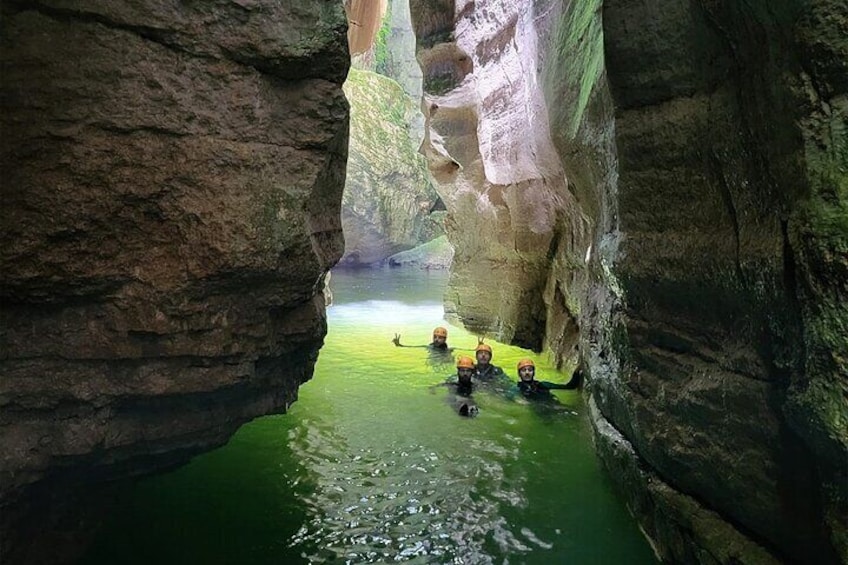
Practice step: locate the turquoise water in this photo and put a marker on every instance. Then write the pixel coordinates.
(371, 465)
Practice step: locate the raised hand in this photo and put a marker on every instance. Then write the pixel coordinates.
(396, 340)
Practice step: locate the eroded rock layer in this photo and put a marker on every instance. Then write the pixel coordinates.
(691, 231)
(388, 195)
(491, 154)
(730, 128)
(172, 180)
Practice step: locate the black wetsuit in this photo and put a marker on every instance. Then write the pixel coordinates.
(537, 389)
(542, 389)
(489, 374)
(493, 377)
(460, 396)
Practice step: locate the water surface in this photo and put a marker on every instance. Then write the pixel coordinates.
(371, 465)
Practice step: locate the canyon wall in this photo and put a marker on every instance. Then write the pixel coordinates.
(389, 198)
(686, 243)
(494, 163)
(172, 180)
(733, 198)
(388, 195)
(654, 190)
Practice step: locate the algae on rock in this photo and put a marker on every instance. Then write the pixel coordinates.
(388, 195)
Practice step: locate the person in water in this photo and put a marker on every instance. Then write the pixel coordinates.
(530, 388)
(461, 386)
(484, 371)
(439, 343)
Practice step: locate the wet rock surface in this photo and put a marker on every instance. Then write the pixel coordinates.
(173, 175)
(490, 152)
(695, 244)
(726, 161)
(388, 195)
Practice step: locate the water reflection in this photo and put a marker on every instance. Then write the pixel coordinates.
(369, 466)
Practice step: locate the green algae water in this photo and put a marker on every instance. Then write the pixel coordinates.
(372, 465)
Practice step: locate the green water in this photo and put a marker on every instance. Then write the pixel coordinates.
(372, 465)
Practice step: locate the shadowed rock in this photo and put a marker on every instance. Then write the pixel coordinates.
(172, 180)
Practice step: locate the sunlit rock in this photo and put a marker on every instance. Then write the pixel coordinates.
(689, 231)
(364, 20)
(388, 195)
(490, 150)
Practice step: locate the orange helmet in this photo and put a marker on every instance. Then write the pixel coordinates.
(483, 347)
(464, 362)
(440, 331)
(526, 363)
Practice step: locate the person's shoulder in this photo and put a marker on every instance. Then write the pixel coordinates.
(497, 370)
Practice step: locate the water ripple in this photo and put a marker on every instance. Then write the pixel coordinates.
(405, 503)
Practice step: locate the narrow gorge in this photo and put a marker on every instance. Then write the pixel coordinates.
(656, 192)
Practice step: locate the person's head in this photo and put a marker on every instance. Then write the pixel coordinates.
(464, 369)
(526, 370)
(483, 354)
(440, 336)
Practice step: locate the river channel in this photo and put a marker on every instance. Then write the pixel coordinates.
(371, 465)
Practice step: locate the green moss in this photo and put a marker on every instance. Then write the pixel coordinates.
(439, 84)
(382, 55)
(580, 49)
(817, 402)
(388, 183)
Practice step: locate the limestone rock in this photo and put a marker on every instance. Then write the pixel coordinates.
(489, 148)
(435, 254)
(364, 18)
(733, 263)
(172, 179)
(687, 223)
(388, 195)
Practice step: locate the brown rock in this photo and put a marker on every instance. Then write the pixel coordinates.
(172, 180)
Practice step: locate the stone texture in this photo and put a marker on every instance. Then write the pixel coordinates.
(435, 254)
(364, 18)
(399, 61)
(687, 241)
(729, 383)
(388, 195)
(684, 531)
(172, 180)
(488, 146)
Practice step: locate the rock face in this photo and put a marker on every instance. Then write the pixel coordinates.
(388, 195)
(435, 254)
(172, 179)
(733, 198)
(365, 18)
(690, 230)
(490, 151)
